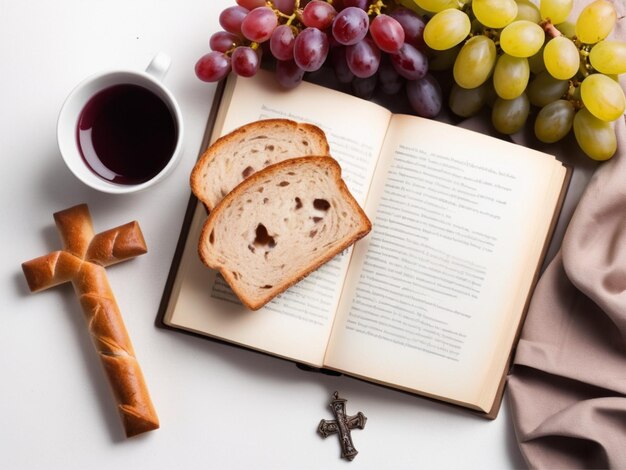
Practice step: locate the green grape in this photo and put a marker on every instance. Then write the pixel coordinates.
(536, 62)
(494, 13)
(554, 121)
(522, 38)
(609, 57)
(544, 89)
(595, 137)
(475, 61)
(510, 76)
(561, 58)
(596, 21)
(527, 10)
(443, 60)
(567, 29)
(436, 6)
(555, 10)
(509, 116)
(446, 29)
(603, 97)
(467, 102)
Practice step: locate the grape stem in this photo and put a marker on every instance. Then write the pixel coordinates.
(570, 95)
(585, 66)
(376, 8)
(280, 14)
(550, 29)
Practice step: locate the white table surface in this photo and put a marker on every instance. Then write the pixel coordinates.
(220, 407)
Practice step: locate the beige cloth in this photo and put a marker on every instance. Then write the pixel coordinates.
(568, 386)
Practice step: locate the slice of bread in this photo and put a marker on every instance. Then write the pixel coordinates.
(237, 155)
(279, 225)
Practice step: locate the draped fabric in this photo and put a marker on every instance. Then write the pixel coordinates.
(568, 385)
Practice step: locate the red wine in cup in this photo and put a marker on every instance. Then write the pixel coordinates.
(126, 134)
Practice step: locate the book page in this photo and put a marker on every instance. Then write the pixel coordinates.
(295, 325)
(435, 292)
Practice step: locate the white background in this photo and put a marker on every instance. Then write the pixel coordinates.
(220, 407)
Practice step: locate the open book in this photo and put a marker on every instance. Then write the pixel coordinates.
(431, 301)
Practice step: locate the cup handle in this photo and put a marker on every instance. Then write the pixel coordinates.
(159, 65)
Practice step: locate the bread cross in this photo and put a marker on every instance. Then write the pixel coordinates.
(82, 262)
(342, 424)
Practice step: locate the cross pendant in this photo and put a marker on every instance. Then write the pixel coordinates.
(342, 424)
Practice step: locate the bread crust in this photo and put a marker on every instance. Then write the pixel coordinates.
(215, 149)
(324, 161)
(82, 262)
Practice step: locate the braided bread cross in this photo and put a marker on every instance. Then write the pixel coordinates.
(82, 262)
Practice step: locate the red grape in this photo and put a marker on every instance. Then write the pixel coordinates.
(222, 41)
(362, 4)
(251, 4)
(389, 79)
(425, 96)
(410, 62)
(363, 58)
(388, 51)
(340, 66)
(284, 6)
(387, 33)
(259, 25)
(281, 42)
(245, 61)
(350, 26)
(412, 25)
(364, 87)
(288, 74)
(310, 49)
(232, 17)
(213, 66)
(318, 14)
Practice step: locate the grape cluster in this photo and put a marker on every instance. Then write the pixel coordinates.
(368, 43)
(515, 57)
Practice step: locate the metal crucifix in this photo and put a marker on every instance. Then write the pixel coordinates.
(82, 262)
(342, 424)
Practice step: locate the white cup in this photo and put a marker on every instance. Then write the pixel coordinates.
(80, 96)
